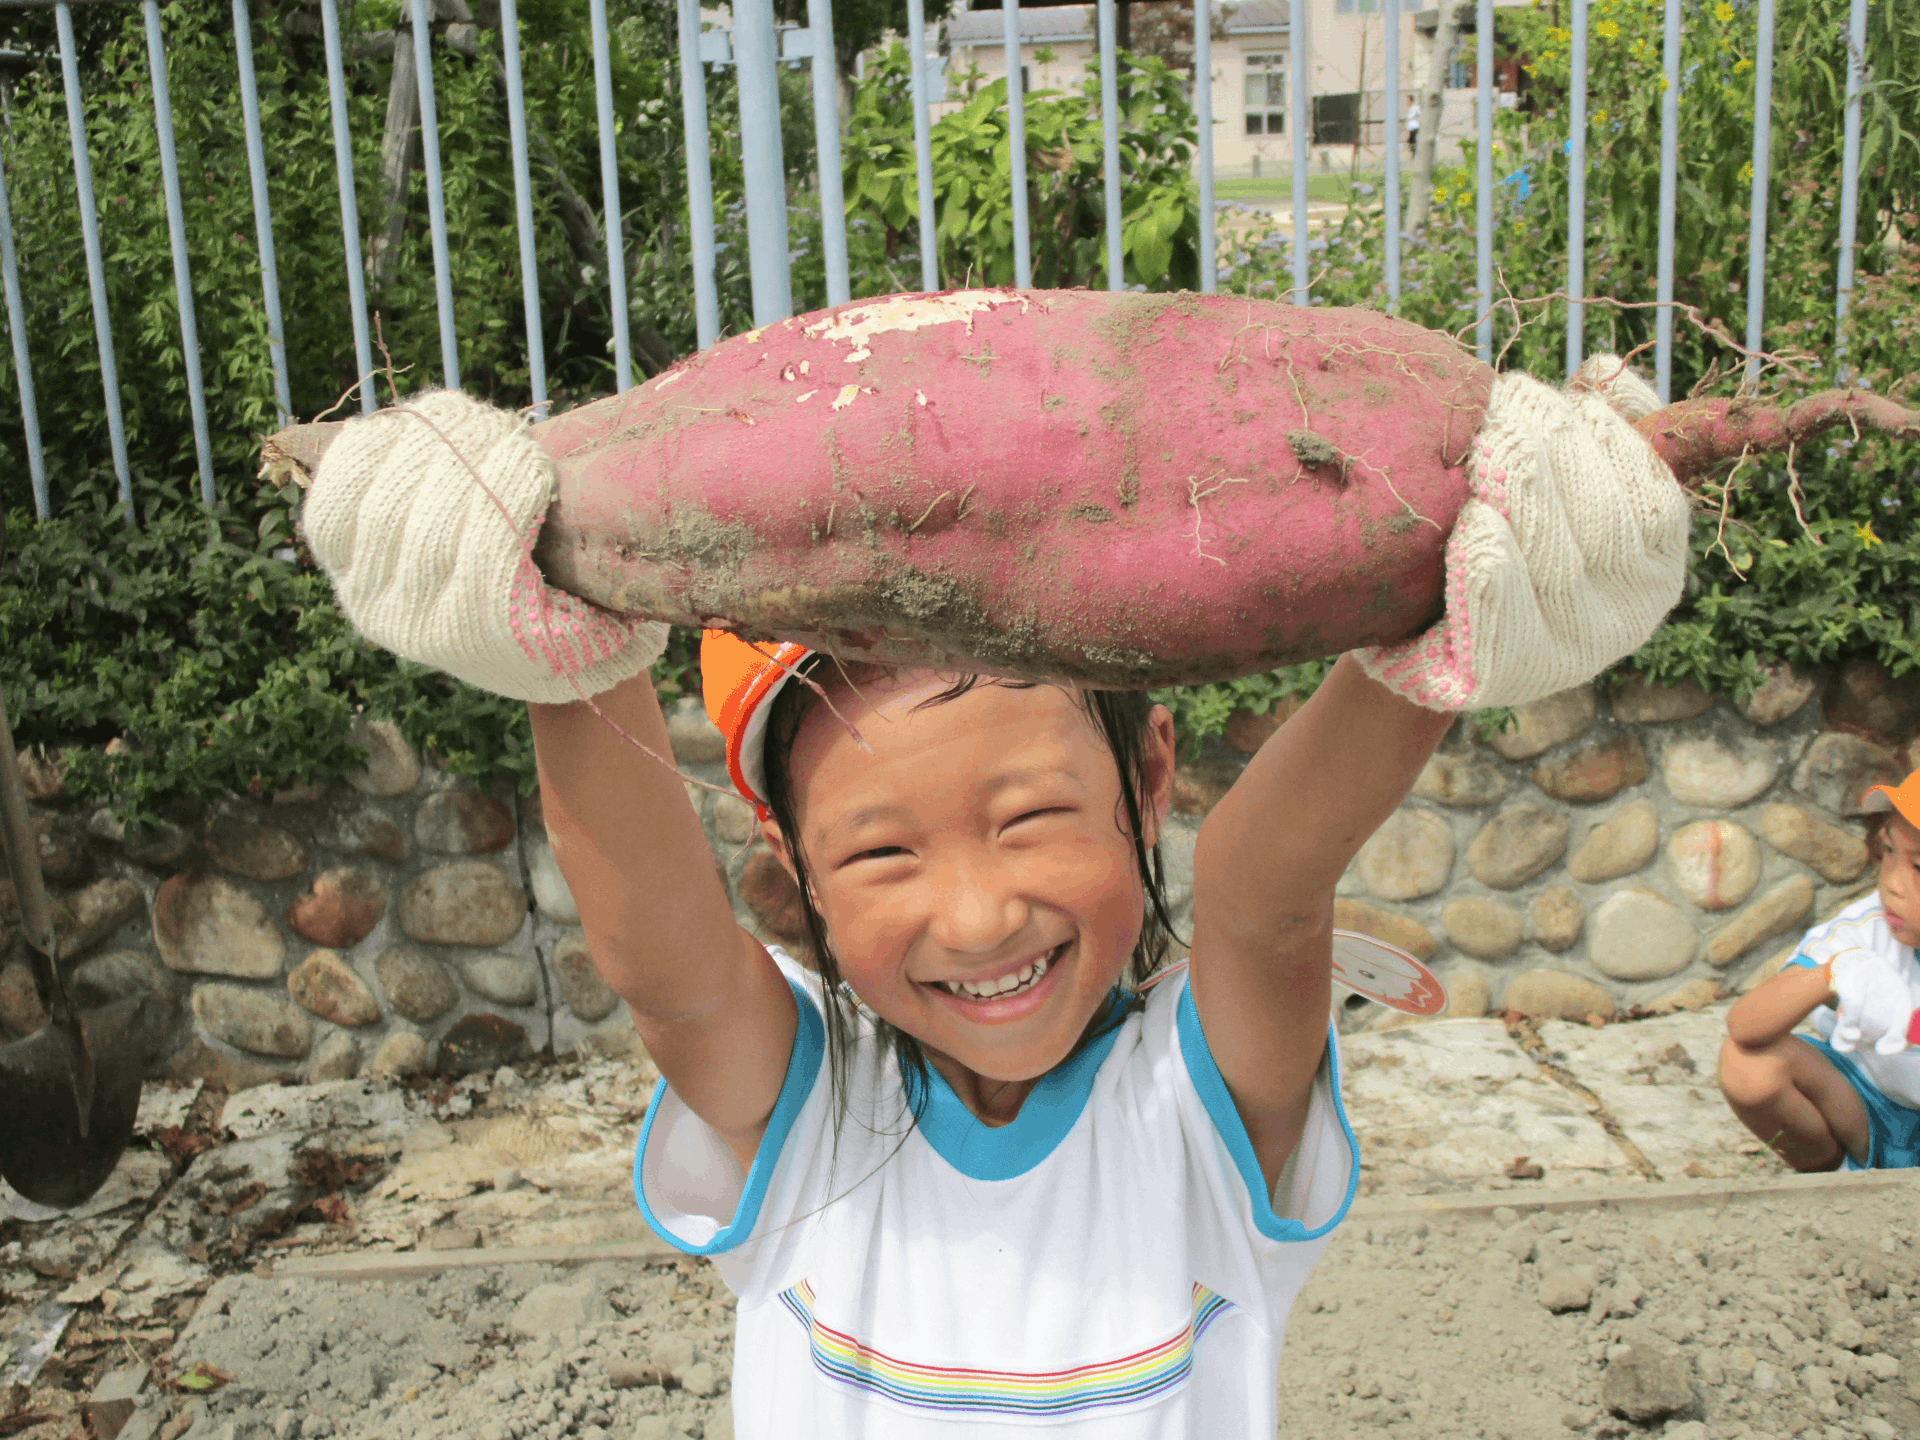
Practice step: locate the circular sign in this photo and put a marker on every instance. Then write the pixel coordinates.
(1386, 973)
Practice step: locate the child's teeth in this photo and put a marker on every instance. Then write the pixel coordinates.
(1020, 980)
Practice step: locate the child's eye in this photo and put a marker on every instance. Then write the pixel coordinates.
(879, 852)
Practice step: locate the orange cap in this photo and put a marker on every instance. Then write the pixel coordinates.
(1903, 798)
(739, 680)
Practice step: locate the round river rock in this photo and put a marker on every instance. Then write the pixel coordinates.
(468, 902)
(1638, 934)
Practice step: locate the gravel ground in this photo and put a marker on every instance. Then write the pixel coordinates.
(1762, 1319)
(1753, 1320)
(516, 1352)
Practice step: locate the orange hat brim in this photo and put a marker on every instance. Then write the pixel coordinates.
(738, 680)
(1902, 799)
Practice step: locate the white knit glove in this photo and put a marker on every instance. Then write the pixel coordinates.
(424, 517)
(1570, 553)
(1875, 1002)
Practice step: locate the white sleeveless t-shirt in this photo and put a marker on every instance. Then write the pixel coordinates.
(1108, 1265)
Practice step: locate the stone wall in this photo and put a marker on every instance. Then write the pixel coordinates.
(1641, 847)
(399, 921)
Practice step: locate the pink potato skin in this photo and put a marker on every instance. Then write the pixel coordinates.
(1122, 490)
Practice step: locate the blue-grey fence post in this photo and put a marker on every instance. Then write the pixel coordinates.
(177, 240)
(1110, 145)
(349, 204)
(1669, 202)
(1017, 143)
(610, 199)
(96, 261)
(523, 206)
(1757, 198)
(22, 361)
(826, 148)
(262, 207)
(1299, 112)
(1577, 192)
(693, 120)
(923, 146)
(1849, 176)
(756, 57)
(1390, 196)
(1483, 177)
(436, 194)
(1203, 116)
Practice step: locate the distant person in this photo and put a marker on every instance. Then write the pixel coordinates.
(1849, 1094)
(1413, 130)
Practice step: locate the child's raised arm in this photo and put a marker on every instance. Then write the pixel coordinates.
(715, 1012)
(423, 516)
(1269, 856)
(1570, 554)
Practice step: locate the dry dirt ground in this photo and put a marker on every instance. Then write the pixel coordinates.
(1563, 1234)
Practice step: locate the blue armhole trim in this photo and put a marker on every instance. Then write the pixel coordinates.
(803, 1065)
(1801, 961)
(1212, 1086)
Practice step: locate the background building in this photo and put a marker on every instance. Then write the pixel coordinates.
(1251, 71)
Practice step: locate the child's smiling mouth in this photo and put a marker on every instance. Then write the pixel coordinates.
(997, 990)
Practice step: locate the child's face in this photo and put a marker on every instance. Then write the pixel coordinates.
(981, 841)
(1900, 879)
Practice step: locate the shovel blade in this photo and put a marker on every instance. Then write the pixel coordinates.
(46, 1152)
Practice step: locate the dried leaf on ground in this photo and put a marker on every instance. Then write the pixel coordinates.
(181, 1145)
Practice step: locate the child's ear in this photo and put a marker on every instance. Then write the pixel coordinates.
(777, 842)
(1159, 752)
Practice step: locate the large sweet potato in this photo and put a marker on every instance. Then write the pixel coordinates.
(1123, 489)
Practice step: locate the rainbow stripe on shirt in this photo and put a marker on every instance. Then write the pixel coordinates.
(1143, 1375)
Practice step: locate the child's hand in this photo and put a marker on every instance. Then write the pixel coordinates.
(1570, 554)
(1874, 1003)
(424, 518)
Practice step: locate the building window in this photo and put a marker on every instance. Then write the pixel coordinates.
(1026, 79)
(1362, 7)
(1266, 94)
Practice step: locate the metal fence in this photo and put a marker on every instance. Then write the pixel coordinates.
(756, 45)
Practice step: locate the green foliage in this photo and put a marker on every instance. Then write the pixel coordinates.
(218, 665)
(230, 313)
(1066, 197)
(1202, 711)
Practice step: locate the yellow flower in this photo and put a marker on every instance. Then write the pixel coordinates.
(1608, 29)
(1864, 534)
(1742, 66)
(1723, 12)
(1600, 117)
(1746, 171)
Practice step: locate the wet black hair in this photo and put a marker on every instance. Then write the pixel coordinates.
(1121, 717)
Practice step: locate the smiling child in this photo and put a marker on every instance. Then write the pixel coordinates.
(972, 1168)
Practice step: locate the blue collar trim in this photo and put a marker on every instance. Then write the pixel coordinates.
(1004, 1152)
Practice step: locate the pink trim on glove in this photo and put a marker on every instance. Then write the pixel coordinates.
(558, 630)
(1435, 669)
